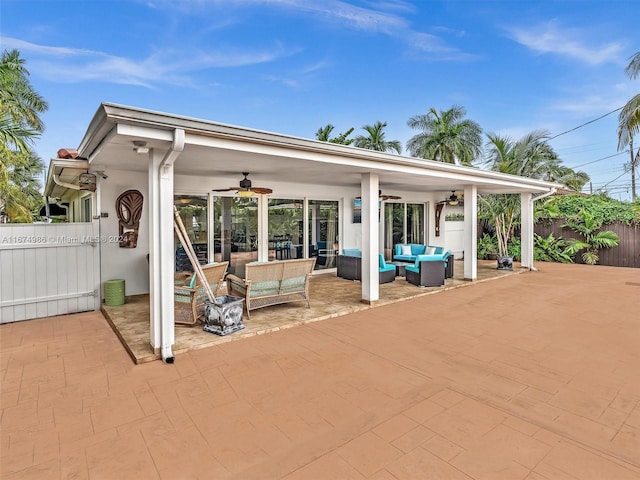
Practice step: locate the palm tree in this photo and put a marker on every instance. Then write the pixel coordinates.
(446, 136)
(375, 140)
(324, 135)
(629, 122)
(20, 107)
(572, 179)
(530, 156)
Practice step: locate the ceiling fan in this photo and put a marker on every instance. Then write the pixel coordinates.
(453, 200)
(245, 189)
(384, 198)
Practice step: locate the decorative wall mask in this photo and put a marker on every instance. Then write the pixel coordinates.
(129, 210)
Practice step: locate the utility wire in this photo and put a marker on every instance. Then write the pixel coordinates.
(586, 123)
(600, 159)
(623, 173)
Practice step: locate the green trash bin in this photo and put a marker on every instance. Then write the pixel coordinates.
(114, 292)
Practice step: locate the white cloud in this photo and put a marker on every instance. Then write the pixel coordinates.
(552, 38)
(76, 65)
(382, 17)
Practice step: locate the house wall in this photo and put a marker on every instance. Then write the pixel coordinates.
(132, 265)
(129, 264)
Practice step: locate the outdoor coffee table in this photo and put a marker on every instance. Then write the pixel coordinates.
(401, 268)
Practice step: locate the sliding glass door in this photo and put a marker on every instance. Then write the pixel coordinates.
(235, 231)
(403, 223)
(323, 232)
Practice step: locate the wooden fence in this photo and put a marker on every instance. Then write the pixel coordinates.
(626, 254)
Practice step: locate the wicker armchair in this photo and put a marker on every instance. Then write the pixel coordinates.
(189, 298)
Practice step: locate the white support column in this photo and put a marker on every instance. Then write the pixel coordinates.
(155, 317)
(369, 185)
(526, 230)
(263, 228)
(470, 232)
(306, 241)
(167, 259)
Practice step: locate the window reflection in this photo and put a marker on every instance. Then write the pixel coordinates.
(285, 229)
(193, 212)
(323, 232)
(235, 234)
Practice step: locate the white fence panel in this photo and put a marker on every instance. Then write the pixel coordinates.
(48, 269)
(454, 233)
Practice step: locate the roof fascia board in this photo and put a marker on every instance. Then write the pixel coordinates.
(240, 137)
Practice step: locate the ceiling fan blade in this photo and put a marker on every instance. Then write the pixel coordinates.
(224, 189)
(261, 190)
(389, 197)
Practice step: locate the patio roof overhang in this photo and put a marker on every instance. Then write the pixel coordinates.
(217, 150)
(63, 175)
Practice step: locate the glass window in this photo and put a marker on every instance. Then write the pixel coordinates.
(323, 232)
(285, 229)
(86, 209)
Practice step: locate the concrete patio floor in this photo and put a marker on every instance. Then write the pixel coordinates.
(533, 376)
(330, 297)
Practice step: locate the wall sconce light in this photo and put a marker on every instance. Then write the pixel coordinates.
(140, 147)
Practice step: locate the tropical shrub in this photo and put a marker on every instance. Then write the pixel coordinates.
(550, 249)
(487, 244)
(513, 249)
(592, 238)
(603, 209)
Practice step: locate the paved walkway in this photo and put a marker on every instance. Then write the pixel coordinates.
(533, 376)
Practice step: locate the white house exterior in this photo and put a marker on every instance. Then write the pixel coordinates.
(177, 157)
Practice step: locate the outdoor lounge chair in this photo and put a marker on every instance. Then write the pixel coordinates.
(189, 297)
(350, 267)
(426, 272)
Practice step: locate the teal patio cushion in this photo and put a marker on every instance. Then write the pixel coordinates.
(292, 284)
(352, 252)
(417, 249)
(259, 289)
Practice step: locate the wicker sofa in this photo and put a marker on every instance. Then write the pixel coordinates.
(272, 283)
(426, 252)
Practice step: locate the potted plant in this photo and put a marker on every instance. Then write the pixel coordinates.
(503, 209)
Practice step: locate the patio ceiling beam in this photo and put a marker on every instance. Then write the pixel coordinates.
(414, 168)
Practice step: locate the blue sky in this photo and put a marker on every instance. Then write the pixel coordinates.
(292, 66)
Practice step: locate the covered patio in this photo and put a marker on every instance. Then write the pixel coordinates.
(331, 197)
(330, 297)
